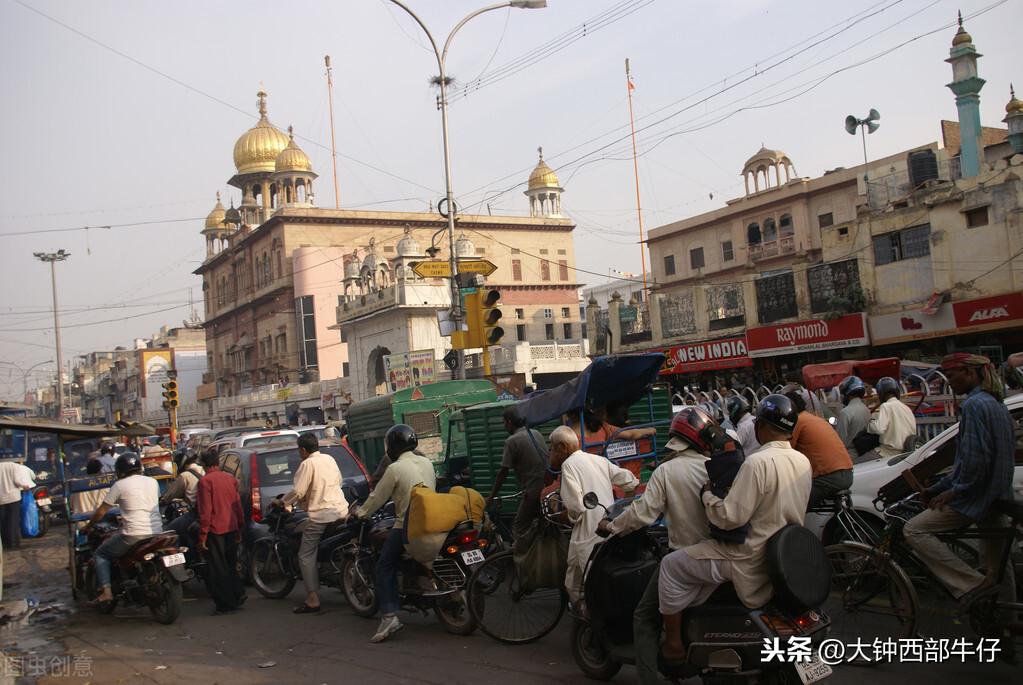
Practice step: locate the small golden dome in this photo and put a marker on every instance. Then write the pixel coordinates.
(292, 158)
(543, 176)
(215, 219)
(256, 151)
(1015, 104)
(961, 37)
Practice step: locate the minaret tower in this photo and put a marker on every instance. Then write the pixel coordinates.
(966, 85)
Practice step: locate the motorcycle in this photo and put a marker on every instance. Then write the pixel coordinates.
(724, 640)
(462, 550)
(273, 560)
(44, 503)
(194, 562)
(150, 574)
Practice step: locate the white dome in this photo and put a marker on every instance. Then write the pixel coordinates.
(464, 247)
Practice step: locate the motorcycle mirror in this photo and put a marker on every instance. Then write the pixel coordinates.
(832, 420)
(590, 500)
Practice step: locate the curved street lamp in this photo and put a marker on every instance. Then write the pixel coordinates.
(25, 374)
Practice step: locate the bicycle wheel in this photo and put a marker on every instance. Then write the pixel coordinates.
(503, 611)
(871, 597)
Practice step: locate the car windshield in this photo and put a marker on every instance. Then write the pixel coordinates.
(278, 468)
(269, 440)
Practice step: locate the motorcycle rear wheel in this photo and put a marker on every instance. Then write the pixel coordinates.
(592, 659)
(167, 599)
(357, 584)
(267, 570)
(454, 615)
(44, 523)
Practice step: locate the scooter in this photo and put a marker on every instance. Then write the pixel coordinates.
(462, 550)
(150, 574)
(44, 503)
(724, 640)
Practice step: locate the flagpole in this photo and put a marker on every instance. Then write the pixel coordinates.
(333, 143)
(635, 171)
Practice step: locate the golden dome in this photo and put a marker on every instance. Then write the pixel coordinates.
(961, 37)
(1015, 104)
(543, 176)
(292, 158)
(257, 149)
(215, 219)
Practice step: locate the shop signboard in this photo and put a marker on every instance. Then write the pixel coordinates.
(986, 313)
(410, 369)
(808, 336)
(912, 324)
(713, 355)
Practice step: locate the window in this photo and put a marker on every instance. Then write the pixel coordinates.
(725, 307)
(843, 231)
(520, 332)
(566, 312)
(543, 251)
(825, 220)
(696, 258)
(344, 369)
(753, 234)
(776, 297)
(976, 217)
(515, 250)
(481, 250)
(548, 331)
(770, 231)
(516, 270)
(669, 265)
(520, 313)
(828, 281)
(727, 253)
(545, 270)
(548, 313)
(905, 244)
(388, 248)
(562, 270)
(562, 251)
(567, 330)
(307, 352)
(785, 225)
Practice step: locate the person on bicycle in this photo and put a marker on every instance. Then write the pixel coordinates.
(820, 444)
(526, 452)
(674, 491)
(317, 488)
(407, 471)
(893, 422)
(855, 416)
(742, 418)
(138, 498)
(770, 492)
(981, 475)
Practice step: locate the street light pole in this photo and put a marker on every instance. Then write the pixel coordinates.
(53, 258)
(25, 373)
(442, 103)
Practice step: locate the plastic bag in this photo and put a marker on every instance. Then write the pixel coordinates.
(545, 563)
(29, 515)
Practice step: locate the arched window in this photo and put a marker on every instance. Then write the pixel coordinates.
(753, 234)
(770, 231)
(785, 227)
(258, 271)
(278, 257)
(267, 276)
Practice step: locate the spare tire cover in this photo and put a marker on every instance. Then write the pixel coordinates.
(798, 568)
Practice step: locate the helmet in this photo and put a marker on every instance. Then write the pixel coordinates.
(694, 427)
(712, 410)
(851, 386)
(888, 387)
(106, 448)
(127, 464)
(737, 408)
(797, 394)
(778, 411)
(399, 439)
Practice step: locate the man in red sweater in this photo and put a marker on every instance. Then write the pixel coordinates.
(220, 522)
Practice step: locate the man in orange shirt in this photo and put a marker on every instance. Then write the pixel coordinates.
(820, 442)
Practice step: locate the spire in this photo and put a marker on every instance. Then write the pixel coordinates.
(218, 192)
(291, 133)
(262, 102)
(540, 151)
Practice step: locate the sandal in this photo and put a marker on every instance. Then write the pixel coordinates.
(304, 608)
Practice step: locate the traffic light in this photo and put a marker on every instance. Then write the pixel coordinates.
(170, 394)
(471, 338)
(489, 317)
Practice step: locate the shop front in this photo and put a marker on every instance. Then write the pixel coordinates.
(781, 350)
(708, 364)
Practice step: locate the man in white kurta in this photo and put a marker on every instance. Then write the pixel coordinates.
(894, 423)
(581, 473)
(770, 492)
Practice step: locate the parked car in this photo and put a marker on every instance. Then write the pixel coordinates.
(320, 431)
(253, 439)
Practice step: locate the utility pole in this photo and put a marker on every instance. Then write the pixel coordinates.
(53, 258)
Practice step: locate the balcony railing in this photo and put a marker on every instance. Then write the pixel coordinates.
(774, 248)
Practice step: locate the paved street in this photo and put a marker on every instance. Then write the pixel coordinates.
(332, 647)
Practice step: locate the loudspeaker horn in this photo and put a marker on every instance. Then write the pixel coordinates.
(851, 123)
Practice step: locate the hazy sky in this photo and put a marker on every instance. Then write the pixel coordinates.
(97, 138)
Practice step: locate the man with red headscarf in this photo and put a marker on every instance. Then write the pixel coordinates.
(981, 475)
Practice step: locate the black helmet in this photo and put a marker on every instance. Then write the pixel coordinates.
(106, 448)
(737, 408)
(778, 411)
(127, 464)
(796, 393)
(888, 387)
(400, 439)
(851, 386)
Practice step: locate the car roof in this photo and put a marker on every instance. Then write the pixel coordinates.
(265, 434)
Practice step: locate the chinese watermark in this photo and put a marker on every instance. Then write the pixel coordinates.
(905, 650)
(41, 666)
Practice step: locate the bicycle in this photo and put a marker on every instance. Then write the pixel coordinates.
(846, 524)
(502, 607)
(877, 582)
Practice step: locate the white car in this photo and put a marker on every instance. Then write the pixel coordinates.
(870, 476)
(254, 439)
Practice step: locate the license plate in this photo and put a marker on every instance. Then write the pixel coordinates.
(813, 670)
(43, 502)
(173, 559)
(619, 449)
(473, 556)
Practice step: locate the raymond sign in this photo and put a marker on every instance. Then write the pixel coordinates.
(730, 353)
(808, 336)
(989, 312)
(410, 369)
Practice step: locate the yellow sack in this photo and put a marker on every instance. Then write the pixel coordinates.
(435, 512)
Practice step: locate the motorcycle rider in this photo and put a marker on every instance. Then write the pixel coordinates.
(674, 491)
(742, 418)
(107, 458)
(185, 487)
(407, 471)
(138, 498)
(317, 488)
(770, 491)
(855, 416)
(819, 442)
(893, 421)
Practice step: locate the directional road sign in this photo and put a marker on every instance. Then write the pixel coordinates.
(440, 269)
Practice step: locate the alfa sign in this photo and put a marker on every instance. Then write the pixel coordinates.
(989, 312)
(729, 353)
(439, 269)
(808, 336)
